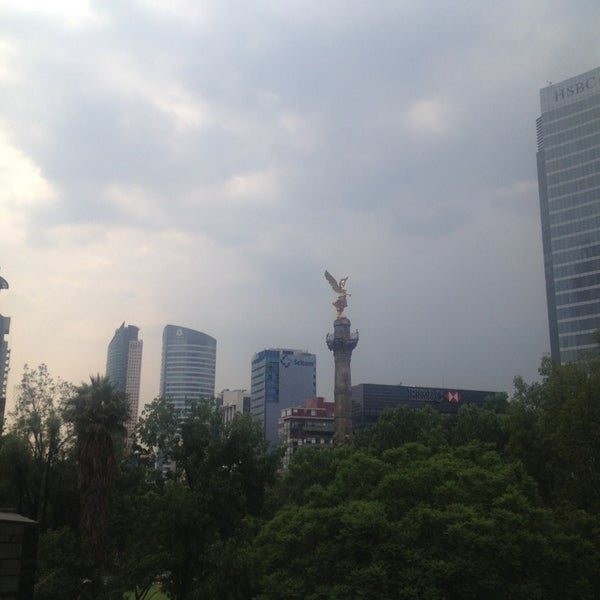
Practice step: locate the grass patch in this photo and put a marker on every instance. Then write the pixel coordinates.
(154, 593)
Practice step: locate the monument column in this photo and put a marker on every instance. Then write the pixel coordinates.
(342, 342)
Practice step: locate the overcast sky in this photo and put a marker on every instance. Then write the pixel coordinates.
(203, 164)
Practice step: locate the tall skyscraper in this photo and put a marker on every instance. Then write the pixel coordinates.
(4, 355)
(281, 378)
(188, 365)
(124, 367)
(568, 159)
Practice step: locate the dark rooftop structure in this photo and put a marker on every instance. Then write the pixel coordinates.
(369, 400)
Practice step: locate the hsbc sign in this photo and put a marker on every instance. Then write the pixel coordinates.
(433, 395)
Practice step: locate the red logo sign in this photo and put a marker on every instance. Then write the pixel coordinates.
(453, 397)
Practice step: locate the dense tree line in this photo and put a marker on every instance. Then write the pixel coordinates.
(501, 501)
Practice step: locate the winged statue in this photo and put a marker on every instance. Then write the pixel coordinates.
(339, 287)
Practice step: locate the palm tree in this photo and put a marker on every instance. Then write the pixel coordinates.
(97, 412)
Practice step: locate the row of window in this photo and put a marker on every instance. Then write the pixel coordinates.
(577, 226)
(577, 282)
(576, 240)
(576, 340)
(590, 324)
(578, 268)
(192, 353)
(570, 148)
(567, 136)
(577, 296)
(570, 255)
(578, 158)
(572, 173)
(590, 209)
(572, 120)
(570, 201)
(580, 310)
(571, 355)
(574, 186)
(184, 370)
(564, 111)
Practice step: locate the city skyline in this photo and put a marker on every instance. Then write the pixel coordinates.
(152, 173)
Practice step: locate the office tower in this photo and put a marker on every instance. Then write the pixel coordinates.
(281, 378)
(123, 368)
(4, 356)
(568, 159)
(188, 365)
(4, 363)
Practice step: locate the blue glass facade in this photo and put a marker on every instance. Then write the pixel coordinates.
(280, 378)
(188, 365)
(568, 160)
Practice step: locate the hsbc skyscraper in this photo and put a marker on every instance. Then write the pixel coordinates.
(568, 162)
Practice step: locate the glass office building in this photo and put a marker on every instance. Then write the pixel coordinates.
(281, 378)
(124, 368)
(4, 362)
(568, 159)
(188, 365)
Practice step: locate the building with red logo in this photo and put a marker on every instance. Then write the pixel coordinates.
(369, 400)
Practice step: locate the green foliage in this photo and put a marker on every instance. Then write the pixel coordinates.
(419, 523)
(500, 501)
(555, 431)
(61, 570)
(200, 521)
(158, 434)
(402, 425)
(482, 424)
(37, 422)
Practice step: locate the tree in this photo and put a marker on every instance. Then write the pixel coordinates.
(158, 434)
(37, 420)
(193, 531)
(554, 429)
(420, 522)
(402, 424)
(98, 414)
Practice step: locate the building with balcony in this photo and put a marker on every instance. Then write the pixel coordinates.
(309, 426)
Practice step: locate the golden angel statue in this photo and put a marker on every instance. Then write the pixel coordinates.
(340, 289)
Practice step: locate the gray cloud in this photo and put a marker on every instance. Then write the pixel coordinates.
(207, 161)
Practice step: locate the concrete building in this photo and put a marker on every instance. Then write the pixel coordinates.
(568, 161)
(310, 426)
(188, 365)
(124, 368)
(233, 402)
(369, 400)
(281, 378)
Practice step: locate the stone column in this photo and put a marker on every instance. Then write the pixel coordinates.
(341, 343)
